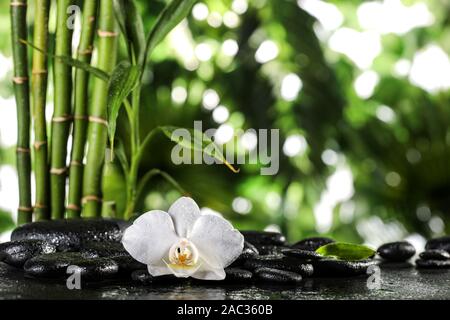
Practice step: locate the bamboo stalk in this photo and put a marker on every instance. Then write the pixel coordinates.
(62, 111)
(22, 93)
(107, 46)
(39, 93)
(81, 102)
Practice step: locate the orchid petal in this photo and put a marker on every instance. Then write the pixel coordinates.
(207, 272)
(218, 243)
(184, 213)
(150, 237)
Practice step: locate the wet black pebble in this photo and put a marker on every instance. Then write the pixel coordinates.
(69, 235)
(104, 249)
(249, 251)
(341, 268)
(264, 238)
(281, 263)
(312, 244)
(433, 264)
(397, 251)
(55, 266)
(237, 275)
(442, 243)
(16, 253)
(301, 254)
(435, 255)
(265, 250)
(277, 276)
(127, 264)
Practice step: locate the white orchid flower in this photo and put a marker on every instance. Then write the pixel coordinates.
(183, 242)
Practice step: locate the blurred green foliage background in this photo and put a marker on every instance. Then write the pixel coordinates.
(360, 91)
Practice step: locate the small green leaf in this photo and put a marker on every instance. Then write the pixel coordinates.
(169, 18)
(123, 80)
(73, 63)
(197, 141)
(346, 251)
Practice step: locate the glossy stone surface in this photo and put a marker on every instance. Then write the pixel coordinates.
(397, 251)
(55, 265)
(435, 255)
(71, 234)
(277, 276)
(341, 268)
(442, 243)
(312, 244)
(16, 253)
(404, 283)
(264, 238)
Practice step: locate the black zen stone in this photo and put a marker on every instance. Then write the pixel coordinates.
(270, 250)
(264, 238)
(433, 264)
(397, 251)
(281, 263)
(103, 249)
(237, 275)
(442, 243)
(312, 244)
(301, 254)
(435, 255)
(249, 251)
(69, 235)
(277, 276)
(127, 264)
(16, 253)
(55, 266)
(341, 268)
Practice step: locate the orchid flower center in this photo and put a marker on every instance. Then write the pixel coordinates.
(183, 254)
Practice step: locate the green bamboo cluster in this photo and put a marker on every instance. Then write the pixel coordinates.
(93, 116)
(39, 93)
(84, 54)
(97, 131)
(62, 110)
(22, 94)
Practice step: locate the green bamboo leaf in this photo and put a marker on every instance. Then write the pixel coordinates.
(73, 63)
(346, 251)
(131, 26)
(198, 141)
(123, 80)
(154, 172)
(169, 18)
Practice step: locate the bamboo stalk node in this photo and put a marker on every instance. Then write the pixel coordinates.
(23, 150)
(73, 207)
(58, 171)
(39, 144)
(91, 198)
(39, 72)
(25, 209)
(107, 34)
(40, 206)
(20, 80)
(75, 163)
(18, 4)
(62, 119)
(98, 120)
(85, 52)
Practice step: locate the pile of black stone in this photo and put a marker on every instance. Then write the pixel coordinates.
(435, 256)
(47, 249)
